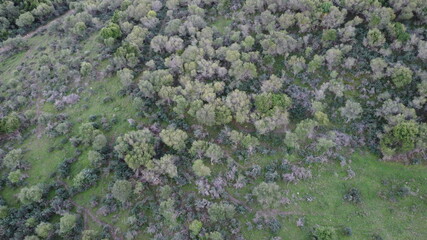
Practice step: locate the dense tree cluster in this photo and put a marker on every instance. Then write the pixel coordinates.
(18, 16)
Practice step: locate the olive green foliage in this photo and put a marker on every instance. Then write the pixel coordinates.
(301, 134)
(25, 19)
(215, 236)
(136, 148)
(200, 169)
(4, 210)
(95, 157)
(195, 227)
(89, 235)
(267, 194)
(99, 142)
(84, 178)
(10, 123)
(44, 229)
(329, 35)
(67, 223)
(268, 103)
(165, 165)
(168, 213)
(375, 38)
(15, 176)
(122, 190)
(79, 29)
(401, 76)
(88, 132)
(30, 194)
(13, 159)
(402, 137)
(174, 138)
(85, 69)
(221, 211)
(111, 31)
(324, 233)
(351, 110)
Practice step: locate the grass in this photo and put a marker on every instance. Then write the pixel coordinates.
(380, 212)
(221, 23)
(8, 66)
(42, 163)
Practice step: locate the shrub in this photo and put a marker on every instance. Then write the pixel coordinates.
(4, 210)
(67, 223)
(376, 237)
(99, 142)
(16, 43)
(347, 231)
(200, 169)
(44, 229)
(85, 178)
(31, 194)
(174, 138)
(401, 76)
(89, 235)
(25, 19)
(15, 176)
(195, 227)
(274, 225)
(122, 190)
(221, 211)
(267, 194)
(111, 31)
(353, 195)
(324, 233)
(13, 159)
(95, 158)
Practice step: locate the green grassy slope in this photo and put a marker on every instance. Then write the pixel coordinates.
(384, 209)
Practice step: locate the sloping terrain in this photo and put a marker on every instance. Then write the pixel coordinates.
(214, 120)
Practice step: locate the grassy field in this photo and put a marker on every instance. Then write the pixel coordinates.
(383, 210)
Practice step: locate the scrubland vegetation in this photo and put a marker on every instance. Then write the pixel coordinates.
(213, 119)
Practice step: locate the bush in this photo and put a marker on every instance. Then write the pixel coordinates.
(85, 179)
(95, 158)
(376, 237)
(347, 231)
(195, 227)
(44, 229)
(15, 176)
(404, 191)
(64, 169)
(274, 225)
(122, 190)
(13, 159)
(67, 223)
(31, 194)
(99, 142)
(324, 233)
(16, 43)
(353, 195)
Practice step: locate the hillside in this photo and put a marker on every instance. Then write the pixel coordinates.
(213, 119)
